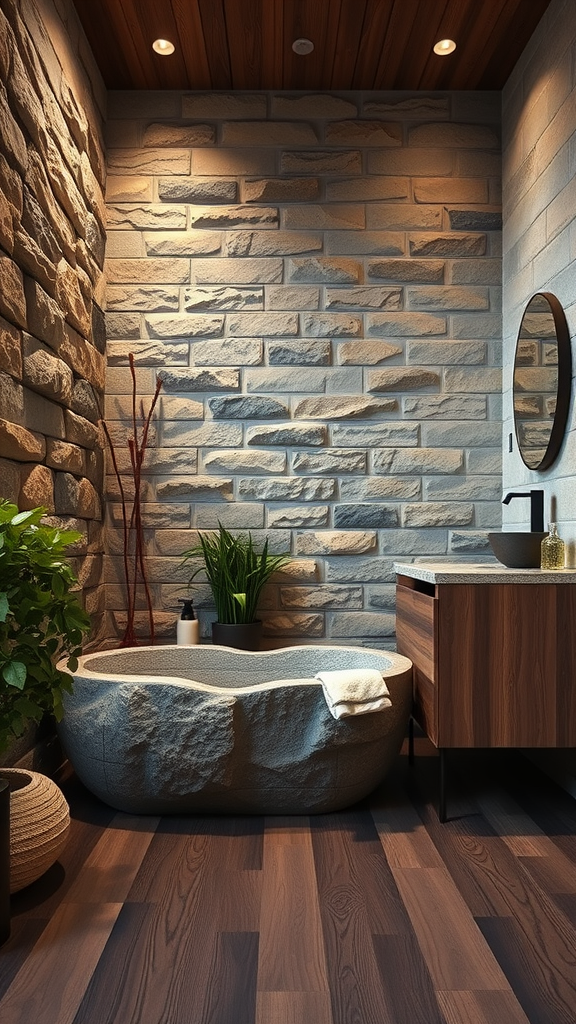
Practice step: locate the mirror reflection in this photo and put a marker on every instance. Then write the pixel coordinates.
(541, 391)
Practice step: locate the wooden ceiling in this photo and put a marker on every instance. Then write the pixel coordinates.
(358, 44)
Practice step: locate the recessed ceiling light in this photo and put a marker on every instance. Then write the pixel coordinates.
(444, 47)
(163, 46)
(302, 46)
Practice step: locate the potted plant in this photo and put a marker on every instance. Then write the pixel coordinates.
(41, 622)
(41, 619)
(236, 573)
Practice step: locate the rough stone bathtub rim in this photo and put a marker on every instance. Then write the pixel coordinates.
(398, 664)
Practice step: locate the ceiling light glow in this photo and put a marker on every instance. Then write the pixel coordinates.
(163, 47)
(302, 46)
(444, 46)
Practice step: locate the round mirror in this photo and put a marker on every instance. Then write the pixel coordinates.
(542, 381)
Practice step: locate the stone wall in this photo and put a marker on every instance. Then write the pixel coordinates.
(539, 193)
(316, 280)
(52, 237)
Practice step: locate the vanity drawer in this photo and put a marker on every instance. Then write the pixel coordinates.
(416, 629)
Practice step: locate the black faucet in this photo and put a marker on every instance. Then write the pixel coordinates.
(536, 507)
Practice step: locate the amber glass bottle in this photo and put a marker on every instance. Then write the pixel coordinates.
(552, 550)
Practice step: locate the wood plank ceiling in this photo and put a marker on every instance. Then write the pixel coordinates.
(358, 44)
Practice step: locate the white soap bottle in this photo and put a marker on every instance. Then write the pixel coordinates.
(187, 627)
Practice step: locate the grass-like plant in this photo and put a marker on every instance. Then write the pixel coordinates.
(236, 572)
(41, 619)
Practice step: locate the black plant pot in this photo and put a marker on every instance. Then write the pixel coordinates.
(243, 635)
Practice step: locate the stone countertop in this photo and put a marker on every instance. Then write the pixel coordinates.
(484, 572)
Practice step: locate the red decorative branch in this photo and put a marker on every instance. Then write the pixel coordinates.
(126, 530)
(133, 532)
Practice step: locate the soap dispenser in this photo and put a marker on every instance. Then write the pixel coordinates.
(187, 627)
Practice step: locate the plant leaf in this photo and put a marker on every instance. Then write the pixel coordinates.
(22, 517)
(4, 607)
(15, 673)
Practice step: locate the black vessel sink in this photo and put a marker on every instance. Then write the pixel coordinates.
(517, 550)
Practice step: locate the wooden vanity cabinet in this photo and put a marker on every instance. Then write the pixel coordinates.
(494, 663)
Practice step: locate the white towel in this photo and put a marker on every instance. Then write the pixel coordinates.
(355, 691)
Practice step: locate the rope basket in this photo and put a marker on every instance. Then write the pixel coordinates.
(39, 825)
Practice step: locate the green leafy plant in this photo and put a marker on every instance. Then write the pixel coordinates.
(236, 572)
(41, 619)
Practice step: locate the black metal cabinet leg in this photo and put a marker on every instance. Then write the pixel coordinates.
(442, 773)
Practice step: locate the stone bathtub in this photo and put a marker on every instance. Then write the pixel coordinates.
(160, 730)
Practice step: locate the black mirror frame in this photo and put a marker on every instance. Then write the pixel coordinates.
(564, 383)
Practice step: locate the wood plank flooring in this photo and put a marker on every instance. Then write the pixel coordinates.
(374, 915)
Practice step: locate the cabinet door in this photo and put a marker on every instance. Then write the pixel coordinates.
(416, 630)
(506, 676)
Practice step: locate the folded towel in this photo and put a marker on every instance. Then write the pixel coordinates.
(355, 691)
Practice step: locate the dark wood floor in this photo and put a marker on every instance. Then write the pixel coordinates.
(375, 915)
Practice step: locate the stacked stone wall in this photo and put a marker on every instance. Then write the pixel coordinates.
(52, 239)
(539, 192)
(316, 278)
(539, 125)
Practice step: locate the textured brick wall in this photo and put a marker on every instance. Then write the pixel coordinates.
(316, 279)
(539, 193)
(52, 219)
(539, 196)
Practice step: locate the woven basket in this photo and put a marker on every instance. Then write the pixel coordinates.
(39, 825)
